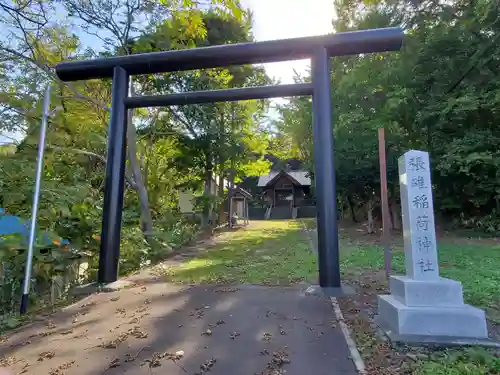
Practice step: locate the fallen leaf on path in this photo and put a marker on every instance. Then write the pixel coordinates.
(282, 331)
(46, 355)
(131, 358)
(208, 332)
(226, 290)
(8, 361)
(280, 358)
(267, 336)
(199, 313)
(207, 366)
(114, 363)
(67, 332)
(61, 370)
(219, 322)
(83, 334)
(89, 304)
(233, 335)
(154, 361)
(113, 344)
(274, 366)
(44, 334)
(137, 333)
(114, 299)
(24, 369)
(173, 356)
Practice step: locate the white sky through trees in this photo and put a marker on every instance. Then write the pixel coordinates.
(282, 19)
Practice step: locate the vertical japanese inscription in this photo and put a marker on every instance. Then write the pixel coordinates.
(420, 237)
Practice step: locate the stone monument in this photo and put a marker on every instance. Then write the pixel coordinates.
(424, 307)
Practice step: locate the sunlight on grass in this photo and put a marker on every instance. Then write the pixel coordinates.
(476, 266)
(267, 252)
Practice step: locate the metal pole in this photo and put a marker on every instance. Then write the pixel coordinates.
(246, 213)
(36, 195)
(230, 208)
(385, 205)
(328, 240)
(109, 253)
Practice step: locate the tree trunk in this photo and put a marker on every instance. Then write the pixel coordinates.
(140, 187)
(395, 215)
(370, 227)
(394, 209)
(220, 195)
(351, 208)
(220, 167)
(207, 206)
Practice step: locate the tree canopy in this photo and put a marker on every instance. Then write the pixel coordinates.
(439, 94)
(168, 148)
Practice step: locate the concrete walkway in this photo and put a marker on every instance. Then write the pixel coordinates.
(160, 328)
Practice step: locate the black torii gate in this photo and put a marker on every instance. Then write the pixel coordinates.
(318, 48)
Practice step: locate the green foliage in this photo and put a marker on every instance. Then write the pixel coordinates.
(439, 94)
(203, 202)
(50, 259)
(169, 154)
(472, 361)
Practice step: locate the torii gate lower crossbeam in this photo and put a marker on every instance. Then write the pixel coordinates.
(319, 49)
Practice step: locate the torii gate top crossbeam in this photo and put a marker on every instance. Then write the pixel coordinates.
(339, 44)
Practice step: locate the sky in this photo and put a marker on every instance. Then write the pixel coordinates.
(282, 19)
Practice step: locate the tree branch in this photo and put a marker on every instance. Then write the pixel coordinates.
(92, 154)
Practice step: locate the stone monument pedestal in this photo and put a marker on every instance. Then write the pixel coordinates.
(432, 309)
(424, 307)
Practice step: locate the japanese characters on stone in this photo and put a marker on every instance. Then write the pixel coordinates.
(420, 205)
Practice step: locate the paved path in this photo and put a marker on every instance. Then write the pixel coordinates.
(159, 328)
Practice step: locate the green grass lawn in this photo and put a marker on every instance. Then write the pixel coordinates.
(267, 252)
(476, 266)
